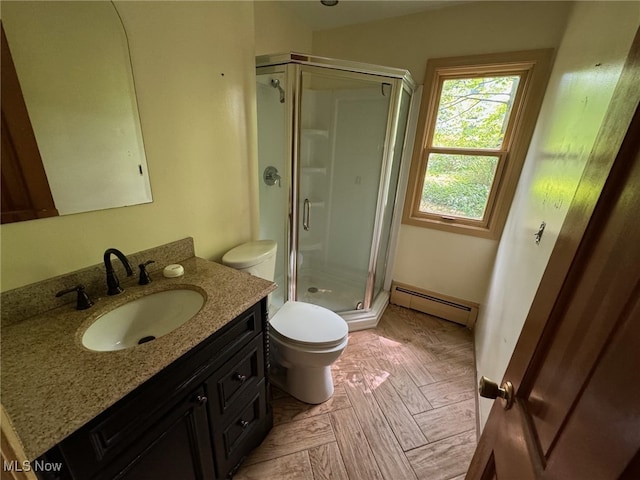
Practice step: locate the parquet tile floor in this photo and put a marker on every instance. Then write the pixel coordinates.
(403, 408)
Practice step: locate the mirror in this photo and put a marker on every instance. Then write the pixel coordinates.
(72, 62)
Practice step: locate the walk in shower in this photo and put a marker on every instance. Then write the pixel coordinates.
(330, 142)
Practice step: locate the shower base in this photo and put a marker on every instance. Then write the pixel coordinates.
(341, 295)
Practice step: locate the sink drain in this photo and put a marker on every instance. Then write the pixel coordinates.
(146, 339)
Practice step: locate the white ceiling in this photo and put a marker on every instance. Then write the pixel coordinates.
(351, 12)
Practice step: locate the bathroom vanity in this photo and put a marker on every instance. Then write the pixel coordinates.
(196, 419)
(190, 404)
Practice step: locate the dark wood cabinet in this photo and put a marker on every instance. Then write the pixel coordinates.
(197, 419)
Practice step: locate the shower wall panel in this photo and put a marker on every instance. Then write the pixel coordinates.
(272, 125)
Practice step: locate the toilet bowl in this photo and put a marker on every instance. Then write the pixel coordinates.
(306, 339)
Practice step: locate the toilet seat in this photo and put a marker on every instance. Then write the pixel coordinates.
(309, 326)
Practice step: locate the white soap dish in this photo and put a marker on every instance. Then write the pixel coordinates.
(173, 270)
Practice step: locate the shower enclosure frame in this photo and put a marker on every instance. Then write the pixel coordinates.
(291, 65)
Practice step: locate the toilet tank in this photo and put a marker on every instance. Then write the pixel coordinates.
(257, 258)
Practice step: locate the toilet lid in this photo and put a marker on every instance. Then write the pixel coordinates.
(249, 254)
(307, 324)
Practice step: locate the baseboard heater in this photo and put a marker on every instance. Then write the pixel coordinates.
(438, 305)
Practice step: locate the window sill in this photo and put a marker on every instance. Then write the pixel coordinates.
(454, 226)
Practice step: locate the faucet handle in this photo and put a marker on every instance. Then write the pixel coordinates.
(83, 301)
(144, 277)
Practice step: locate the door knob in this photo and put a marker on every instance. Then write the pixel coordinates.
(490, 389)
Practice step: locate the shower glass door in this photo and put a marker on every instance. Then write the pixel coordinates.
(341, 148)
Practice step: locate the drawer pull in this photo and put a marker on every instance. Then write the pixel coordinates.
(200, 399)
(239, 377)
(243, 423)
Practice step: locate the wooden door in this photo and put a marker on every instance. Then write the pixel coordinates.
(576, 366)
(25, 188)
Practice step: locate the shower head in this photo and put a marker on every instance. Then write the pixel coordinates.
(275, 83)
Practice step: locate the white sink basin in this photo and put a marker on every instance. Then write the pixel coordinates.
(142, 320)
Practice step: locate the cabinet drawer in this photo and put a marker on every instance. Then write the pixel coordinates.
(237, 379)
(242, 423)
(244, 431)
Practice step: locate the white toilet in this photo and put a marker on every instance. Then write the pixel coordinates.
(306, 339)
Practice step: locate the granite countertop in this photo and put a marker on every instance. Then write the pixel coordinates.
(52, 385)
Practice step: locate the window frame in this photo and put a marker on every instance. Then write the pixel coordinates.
(533, 67)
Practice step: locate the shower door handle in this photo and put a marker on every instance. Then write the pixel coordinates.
(306, 211)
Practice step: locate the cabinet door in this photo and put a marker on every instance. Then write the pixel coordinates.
(181, 449)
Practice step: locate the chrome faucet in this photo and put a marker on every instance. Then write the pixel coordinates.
(113, 284)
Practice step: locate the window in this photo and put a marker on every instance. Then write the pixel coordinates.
(475, 125)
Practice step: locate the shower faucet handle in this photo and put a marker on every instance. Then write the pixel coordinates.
(271, 176)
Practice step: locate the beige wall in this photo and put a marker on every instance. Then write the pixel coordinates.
(278, 30)
(477, 27)
(586, 70)
(195, 77)
(452, 264)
